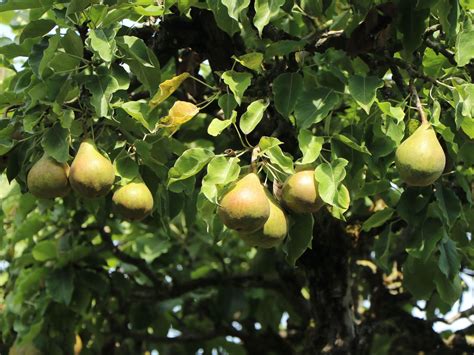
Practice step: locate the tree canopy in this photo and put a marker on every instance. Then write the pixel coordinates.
(184, 98)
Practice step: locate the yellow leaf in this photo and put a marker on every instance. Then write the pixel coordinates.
(180, 113)
(167, 87)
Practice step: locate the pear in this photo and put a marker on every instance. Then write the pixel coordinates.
(25, 349)
(48, 178)
(92, 174)
(77, 345)
(245, 207)
(420, 160)
(300, 192)
(274, 230)
(134, 201)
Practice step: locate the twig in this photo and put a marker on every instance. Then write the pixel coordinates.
(419, 107)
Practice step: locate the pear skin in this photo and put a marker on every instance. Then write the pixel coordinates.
(92, 174)
(245, 207)
(25, 349)
(420, 159)
(300, 193)
(134, 201)
(48, 178)
(274, 230)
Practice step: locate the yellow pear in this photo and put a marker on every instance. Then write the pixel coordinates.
(133, 201)
(78, 345)
(92, 174)
(274, 230)
(48, 178)
(245, 207)
(420, 159)
(300, 193)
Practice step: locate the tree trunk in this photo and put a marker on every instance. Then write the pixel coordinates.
(329, 279)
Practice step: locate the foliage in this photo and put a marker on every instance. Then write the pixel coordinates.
(180, 93)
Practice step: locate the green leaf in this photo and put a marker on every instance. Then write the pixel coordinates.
(77, 6)
(125, 166)
(234, 8)
(342, 202)
(315, 105)
(448, 204)
(363, 90)
(389, 110)
(252, 117)
(283, 48)
(44, 250)
(60, 285)
(310, 146)
(412, 25)
(251, 60)
(221, 14)
(72, 44)
(55, 143)
(464, 48)
(102, 42)
(227, 103)
(189, 164)
(269, 147)
(217, 126)
(329, 176)
(377, 219)
(237, 83)
(37, 28)
(449, 261)
(299, 238)
(138, 110)
(428, 236)
(101, 86)
(265, 11)
(220, 171)
(349, 142)
(24, 4)
(286, 90)
(449, 289)
(142, 61)
(418, 276)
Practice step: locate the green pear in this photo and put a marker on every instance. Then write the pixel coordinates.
(274, 230)
(300, 193)
(134, 201)
(48, 178)
(420, 160)
(245, 207)
(92, 174)
(25, 349)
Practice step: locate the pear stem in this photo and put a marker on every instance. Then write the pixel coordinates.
(254, 159)
(419, 107)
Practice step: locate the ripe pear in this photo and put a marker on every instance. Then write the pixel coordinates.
(48, 178)
(420, 160)
(274, 230)
(92, 174)
(78, 345)
(245, 207)
(134, 201)
(25, 349)
(300, 193)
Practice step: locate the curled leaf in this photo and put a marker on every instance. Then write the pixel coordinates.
(180, 113)
(167, 87)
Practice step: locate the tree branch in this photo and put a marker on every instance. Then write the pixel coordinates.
(139, 263)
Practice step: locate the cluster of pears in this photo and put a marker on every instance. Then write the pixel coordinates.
(420, 159)
(91, 175)
(249, 208)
